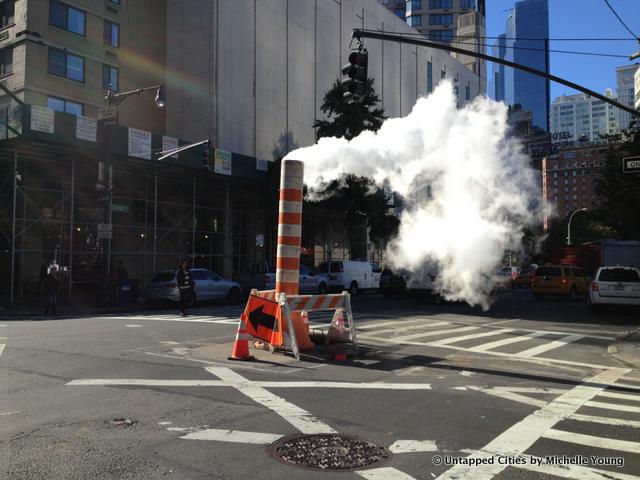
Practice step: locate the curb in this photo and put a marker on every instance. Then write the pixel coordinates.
(624, 351)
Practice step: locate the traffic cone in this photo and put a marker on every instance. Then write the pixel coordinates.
(241, 344)
(305, 320)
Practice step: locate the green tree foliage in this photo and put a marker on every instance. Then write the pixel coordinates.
(349, 119)
(618, 193)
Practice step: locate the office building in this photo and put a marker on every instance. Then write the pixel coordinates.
(64, 55)
(583, 118)
(625, 89)
(527, 26)
(496, 80)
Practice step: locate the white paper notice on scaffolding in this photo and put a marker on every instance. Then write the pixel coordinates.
(41, 119)
(223, 162)
(139, 143)
(169, 143)
(86, 128)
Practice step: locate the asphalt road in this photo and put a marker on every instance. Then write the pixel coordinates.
(450, 391)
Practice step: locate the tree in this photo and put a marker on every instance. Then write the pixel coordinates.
(618, 193)
(349, 119)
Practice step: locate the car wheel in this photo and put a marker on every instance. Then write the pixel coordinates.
(538, 296)
(322, 288)
(353, 288)
(233, 296)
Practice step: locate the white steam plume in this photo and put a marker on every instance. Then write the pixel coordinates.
(468, 189)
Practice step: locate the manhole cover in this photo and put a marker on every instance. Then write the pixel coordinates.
(329, 452)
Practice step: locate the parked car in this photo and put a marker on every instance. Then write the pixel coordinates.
(524, 277)
(564, 280)
(614, 286)
(310, 281)
(351, 275)
(208, 286)
(392, 283)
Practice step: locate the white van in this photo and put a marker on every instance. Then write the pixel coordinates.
(351, 275)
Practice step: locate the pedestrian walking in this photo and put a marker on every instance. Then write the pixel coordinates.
(186, 287)
(51, 282)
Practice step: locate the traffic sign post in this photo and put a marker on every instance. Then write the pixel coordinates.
(631, 165)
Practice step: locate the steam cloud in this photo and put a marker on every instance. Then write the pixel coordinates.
(468, 189)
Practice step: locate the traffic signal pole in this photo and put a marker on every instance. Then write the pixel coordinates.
(359, 34)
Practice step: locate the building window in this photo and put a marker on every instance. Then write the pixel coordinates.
(414, 20)
(111, 34)
(416, 4)
(467, 93)
(440, 3)
(66, 65)
(468, 4)
(7, 10)
(441, 35)
(6, 61)
(443, 74)
(399, 13)
(440, 19)
(115, 2)
(429, 77)
(60, 105)
(110, 78)
(68, 18)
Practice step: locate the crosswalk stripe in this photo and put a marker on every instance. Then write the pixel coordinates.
(434, 333)
(627, 385)
(366, 326)
(613, 406)
(592, 441)
(507, 341)
(414, 327)
(621, 396)
(532, 352)
(439, 343)
(574, 472)
(605, 420)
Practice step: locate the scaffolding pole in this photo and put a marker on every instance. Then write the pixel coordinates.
(13, 223)
(71, 220)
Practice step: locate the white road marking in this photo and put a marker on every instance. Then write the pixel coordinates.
(148, 382)
(521, 436)
(397, 323)
(1, 348)
(532, 352)
(621, 396)
(507, 341)
(406, 329)
(10, 413)
(592, 441)
(507, 394)
(412, 446)
(448, 341)
(613, 406)
(296, 416)
(628, 385)
(367, 362)
(133, 326)
(165, 423)
(366, 386)
(384, 473)
(605, 420)
(1, 326)
(233, 436)
(575, 472)
(433, 333)
(226, 321)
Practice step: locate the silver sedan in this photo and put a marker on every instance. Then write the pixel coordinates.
(208, 286)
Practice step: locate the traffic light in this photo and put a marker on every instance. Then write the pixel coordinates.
(206, 157)
(355, 74)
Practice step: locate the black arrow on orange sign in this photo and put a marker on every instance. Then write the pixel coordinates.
(258, 318)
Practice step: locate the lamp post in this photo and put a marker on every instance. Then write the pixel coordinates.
(569, 224)
(114, 99)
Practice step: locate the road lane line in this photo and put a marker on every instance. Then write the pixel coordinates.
(384, 473)
(507, 341)
(574, 472)
(123, 382)
(532, 352)
(233, 436)
(435, 333)
(613, 406)
(406, 329)
(352, 385)
(1, 348)
(10, 413)
(604, 420)
(413, 446)
(521, 436)
(397, 322)
(296, 416)
(592, 441)
(133, 326)
(448, 341)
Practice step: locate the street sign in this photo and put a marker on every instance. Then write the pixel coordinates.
(631, 164)
(105, 230)
(107, 115)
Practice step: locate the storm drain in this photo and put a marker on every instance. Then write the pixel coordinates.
(328, 452)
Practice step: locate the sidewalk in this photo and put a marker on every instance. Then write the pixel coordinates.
(627, 349)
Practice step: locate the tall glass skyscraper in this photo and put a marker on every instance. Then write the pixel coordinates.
(526, 28)
(496, 81)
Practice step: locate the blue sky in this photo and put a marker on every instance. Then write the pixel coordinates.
(580, 19)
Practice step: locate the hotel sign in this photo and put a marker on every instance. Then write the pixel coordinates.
(631, 164)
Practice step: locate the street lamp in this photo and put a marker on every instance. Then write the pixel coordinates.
(569, 224)
(115, 99)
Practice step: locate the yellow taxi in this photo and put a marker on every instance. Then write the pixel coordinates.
(563, 280)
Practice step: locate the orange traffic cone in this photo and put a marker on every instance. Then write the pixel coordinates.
(241, 344)
(305, 320)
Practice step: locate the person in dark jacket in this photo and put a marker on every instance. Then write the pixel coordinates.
(186, 287)
(51, 282)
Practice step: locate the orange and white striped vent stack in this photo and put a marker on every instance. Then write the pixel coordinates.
(289, 236)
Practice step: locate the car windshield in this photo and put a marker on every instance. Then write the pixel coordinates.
(619, 275)
(549, 272)
(164, 277)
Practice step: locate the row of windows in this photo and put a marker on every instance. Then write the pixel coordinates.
(440, 3)
(441, 35)
(67, 65)
(74, 20)
(440, 19)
